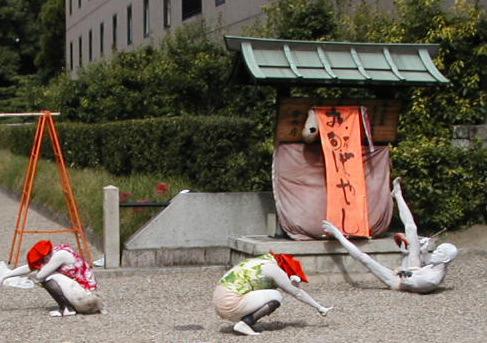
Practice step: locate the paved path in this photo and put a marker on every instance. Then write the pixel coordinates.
(173, 305)
(9, 208)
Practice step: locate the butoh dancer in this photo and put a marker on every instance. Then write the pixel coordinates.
(419, 272)
(64, 274)
(248, 291)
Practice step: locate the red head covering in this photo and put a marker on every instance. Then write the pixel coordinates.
(37, 253)
(291, 265)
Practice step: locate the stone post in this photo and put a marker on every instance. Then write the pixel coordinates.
(111, 227)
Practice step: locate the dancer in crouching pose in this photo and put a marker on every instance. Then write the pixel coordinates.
(65, 275)
(419, 272)
(247, 292)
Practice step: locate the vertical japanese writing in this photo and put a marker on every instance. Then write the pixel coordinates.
(338, 140)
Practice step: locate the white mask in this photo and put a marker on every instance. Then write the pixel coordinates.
(444, 253)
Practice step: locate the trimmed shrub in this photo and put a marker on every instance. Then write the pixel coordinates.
(445, 185)
(216, 153)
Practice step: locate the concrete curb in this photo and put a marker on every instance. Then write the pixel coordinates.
(125, 272)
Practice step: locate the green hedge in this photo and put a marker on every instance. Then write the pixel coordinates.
(215, 153)
(445, 185)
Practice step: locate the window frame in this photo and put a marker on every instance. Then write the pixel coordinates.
(80, 51)
(102, 38)
(130, 37)
(194, 12)
(114, 31)
(166, 7)
(146, 21)
(71, 64)
(90, 45)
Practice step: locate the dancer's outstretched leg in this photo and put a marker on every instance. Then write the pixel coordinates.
(384, 274)
(255, 305)
(413, 257)
(65, 307)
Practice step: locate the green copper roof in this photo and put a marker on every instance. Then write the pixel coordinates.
(275, 61)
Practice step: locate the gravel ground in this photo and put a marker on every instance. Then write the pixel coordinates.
(173, 305)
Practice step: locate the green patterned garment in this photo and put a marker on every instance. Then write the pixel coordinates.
(247, 276)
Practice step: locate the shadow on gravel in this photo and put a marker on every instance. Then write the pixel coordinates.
(440, 290)
(272, 326)
(189, 327)
(20, 309)
(365, 286)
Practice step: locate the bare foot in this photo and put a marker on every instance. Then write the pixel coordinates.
(396, 186)
(244, 329)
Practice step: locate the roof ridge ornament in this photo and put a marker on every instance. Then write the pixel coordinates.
(290, 60)
(324, 61)
(391, 64)
(430, 66)
(358, 62)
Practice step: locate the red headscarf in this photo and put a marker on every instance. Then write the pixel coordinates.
(291, 265)
(37, 253)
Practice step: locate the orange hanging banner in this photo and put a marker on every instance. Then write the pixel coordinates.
(340, 131)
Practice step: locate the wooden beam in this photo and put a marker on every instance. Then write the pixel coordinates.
(27, 114)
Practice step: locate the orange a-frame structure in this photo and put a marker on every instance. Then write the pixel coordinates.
(46, 120)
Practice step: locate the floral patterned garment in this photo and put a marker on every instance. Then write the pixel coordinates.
(79, 271)
(247, 276)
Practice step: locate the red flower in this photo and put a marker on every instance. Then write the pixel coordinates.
(124, 197)
(162, 188)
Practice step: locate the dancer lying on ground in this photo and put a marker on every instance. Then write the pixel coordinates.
(65, 275)
(247, 292)
(415, 275)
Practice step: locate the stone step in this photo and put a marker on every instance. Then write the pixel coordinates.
(318, 256)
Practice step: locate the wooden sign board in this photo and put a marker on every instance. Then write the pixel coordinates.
(383, 116)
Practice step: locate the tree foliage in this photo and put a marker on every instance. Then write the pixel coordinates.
(300, 19)
(31, 46)
(52, 22)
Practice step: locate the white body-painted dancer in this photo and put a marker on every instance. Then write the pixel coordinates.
(418, 273)
(247, 292)
(65, 275)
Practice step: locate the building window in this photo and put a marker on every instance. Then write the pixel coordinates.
(129, 25)
(219, 2)
(191, 8)
(80, 51)
(79, 3)
(102, 38)
(167, 13)
(70, 55)
(70, 7)
(90, 45)
(114, 32)
(146, 18)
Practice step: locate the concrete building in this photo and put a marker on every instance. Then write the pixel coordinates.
(95, 29)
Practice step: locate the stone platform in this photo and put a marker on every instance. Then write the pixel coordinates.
(317, 256)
